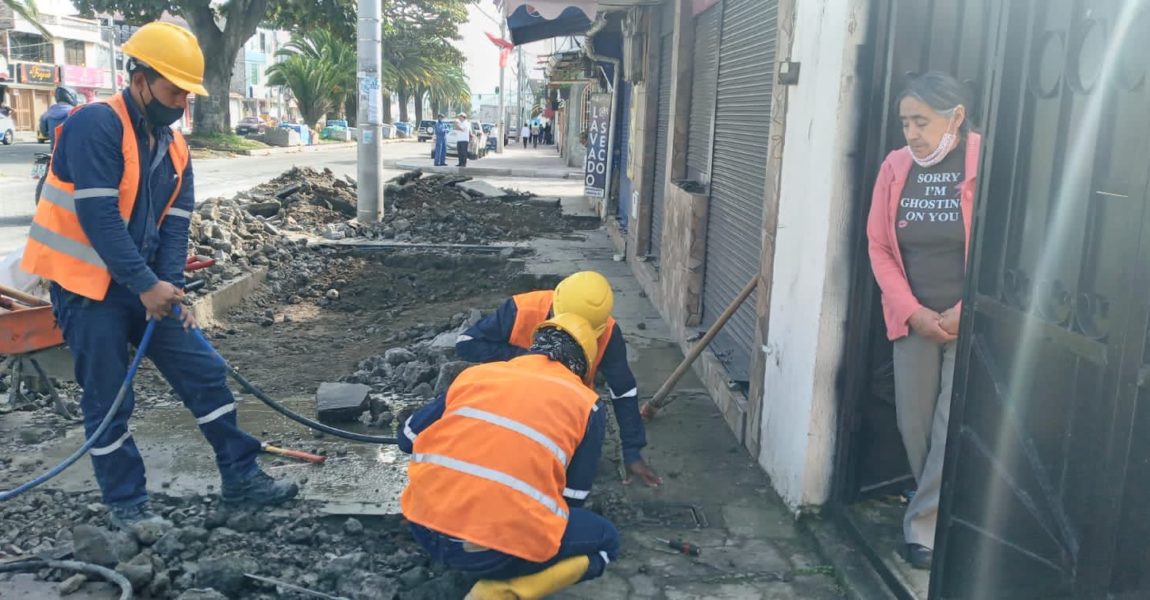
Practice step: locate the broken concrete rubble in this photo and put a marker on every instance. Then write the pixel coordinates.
(336, 402)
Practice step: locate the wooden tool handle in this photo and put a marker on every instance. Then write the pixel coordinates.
(21, 297)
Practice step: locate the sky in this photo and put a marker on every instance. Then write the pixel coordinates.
(483, 56)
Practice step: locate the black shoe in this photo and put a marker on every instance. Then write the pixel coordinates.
(125, 518)
(258, 490)
(918, 556)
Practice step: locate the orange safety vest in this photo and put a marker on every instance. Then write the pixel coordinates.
(533, 308)
(57, 248)
(492, 469)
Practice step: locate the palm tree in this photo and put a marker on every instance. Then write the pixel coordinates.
(311, 82)
(449, 88)
(27, 10)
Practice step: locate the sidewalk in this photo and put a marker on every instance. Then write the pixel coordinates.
(514, 162)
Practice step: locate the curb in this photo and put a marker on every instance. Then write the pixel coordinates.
(488, 171)
(208, 309)
(299, 149)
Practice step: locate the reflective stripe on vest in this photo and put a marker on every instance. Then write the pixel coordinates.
(533, 308)
(58, 249)
(492, 470)
(492, 475)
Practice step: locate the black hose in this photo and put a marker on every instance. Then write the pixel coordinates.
(302, 420)
(72, 565)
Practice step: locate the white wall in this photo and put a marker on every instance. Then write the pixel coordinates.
(811, 274)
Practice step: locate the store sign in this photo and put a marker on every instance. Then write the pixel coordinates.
(42, 74)
(5, 74)
(598, 134)
(698, 6)
(85, 77)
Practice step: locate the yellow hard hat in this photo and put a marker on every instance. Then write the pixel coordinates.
(577, 327)
(587, 294)
(172, 51)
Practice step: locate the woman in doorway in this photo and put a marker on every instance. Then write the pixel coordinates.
(919, 233)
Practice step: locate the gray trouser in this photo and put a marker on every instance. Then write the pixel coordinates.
(923, 377)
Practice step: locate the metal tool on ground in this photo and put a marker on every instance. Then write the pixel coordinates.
(682, 547)
(297, 454)
(660, 399)
(293, 588)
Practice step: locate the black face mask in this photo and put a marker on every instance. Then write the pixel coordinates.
(158, 114)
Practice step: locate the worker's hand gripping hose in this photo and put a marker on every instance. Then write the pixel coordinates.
(91, 441)
(250, 388)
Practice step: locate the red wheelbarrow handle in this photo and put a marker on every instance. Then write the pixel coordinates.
(195, 263)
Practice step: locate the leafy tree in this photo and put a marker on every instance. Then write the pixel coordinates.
(28, 11)
(221, 28)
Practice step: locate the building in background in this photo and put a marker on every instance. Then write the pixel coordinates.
(80, 56)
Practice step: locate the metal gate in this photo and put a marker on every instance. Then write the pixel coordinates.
(1047, 485)
(704, 83)
(662, 128)
(738, 180)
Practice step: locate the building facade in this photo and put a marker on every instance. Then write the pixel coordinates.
(80, 55)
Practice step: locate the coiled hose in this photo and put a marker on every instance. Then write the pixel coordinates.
(72, 565)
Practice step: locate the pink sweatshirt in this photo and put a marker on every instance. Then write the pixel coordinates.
(898, 302)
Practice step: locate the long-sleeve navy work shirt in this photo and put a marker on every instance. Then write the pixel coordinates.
(488, 341)
(141, 252)
(580, 471)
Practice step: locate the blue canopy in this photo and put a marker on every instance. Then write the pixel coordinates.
(525, 27)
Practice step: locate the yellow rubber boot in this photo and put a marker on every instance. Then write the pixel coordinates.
(559, 576)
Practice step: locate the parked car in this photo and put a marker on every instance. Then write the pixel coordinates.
(492, 140)
(474, 151)
(426, 130)
(250, 126)
(478, 138)
(7, 126)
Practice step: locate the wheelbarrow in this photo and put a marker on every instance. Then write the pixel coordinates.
(28, 327)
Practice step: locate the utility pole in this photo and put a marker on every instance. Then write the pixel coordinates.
(522, 85)
(501, 134)
(369, 194)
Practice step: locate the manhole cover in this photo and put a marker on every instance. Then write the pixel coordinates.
(677, 516)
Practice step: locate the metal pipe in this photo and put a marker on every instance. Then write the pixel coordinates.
(369, 192)
(501, 133)
(589, 50)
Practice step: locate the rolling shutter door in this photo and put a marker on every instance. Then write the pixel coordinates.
(662, 127)
(738, 181)
(624, 119)
(703, 89)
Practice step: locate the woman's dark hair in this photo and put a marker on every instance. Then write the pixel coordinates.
(940, 91)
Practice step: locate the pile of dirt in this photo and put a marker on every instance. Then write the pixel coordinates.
(211, 547)
(418, 208)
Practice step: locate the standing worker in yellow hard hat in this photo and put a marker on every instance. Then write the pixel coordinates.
(507, 334)
(111, 234)
(493, 460)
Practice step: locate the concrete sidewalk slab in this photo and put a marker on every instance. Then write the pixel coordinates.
(514, 162)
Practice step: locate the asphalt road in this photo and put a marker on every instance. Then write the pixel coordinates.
(214, 177)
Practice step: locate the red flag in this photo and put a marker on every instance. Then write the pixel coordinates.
(498, 41)
(503, 54)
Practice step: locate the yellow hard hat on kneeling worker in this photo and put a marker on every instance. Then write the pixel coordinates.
(587, 294)
(171, 51)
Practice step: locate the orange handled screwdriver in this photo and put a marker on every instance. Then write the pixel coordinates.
(681, 546)
(305, 456)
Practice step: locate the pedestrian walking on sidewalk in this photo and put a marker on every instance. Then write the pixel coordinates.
(495, 462)
(111, 234)
(525, 134)
(460, 135)
(535, 132)
(440, 153)
(919, 233)
(547, 134)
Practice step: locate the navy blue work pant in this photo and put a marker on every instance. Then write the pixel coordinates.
(440, 151)
(98, 335)
(587, 534)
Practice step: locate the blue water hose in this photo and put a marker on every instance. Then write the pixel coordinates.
(248, 386)
(91, 441)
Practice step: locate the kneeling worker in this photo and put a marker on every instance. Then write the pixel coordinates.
(507, 334)
(493, 464)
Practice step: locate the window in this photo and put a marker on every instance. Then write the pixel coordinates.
(263, 42)
(253, 74)
(74, 53)
(31, 47)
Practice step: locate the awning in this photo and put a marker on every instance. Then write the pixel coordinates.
(534, 20)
